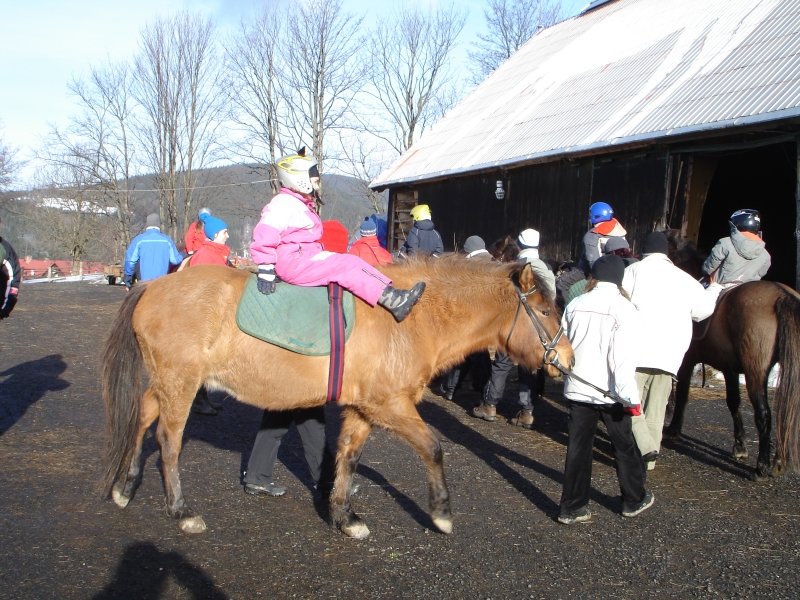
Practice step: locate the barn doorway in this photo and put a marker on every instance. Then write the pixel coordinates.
(761, 178)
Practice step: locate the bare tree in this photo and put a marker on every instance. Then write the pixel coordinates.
(509, 24)
(98, 145)
(359, 160)
(68, 211)
(323, 71)
(177, 84)
(253, 72)
(409, 73)
(8, 165)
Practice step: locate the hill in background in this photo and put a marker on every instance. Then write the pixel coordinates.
(235, 193)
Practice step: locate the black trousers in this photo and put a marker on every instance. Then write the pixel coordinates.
(583, 420)
(310, 424)
(531, 385)
(478, 365)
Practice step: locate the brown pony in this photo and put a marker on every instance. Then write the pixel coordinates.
(182, 329)
(505, 249)
(754, 326)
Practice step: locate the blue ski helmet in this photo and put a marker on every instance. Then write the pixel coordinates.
(599, 212)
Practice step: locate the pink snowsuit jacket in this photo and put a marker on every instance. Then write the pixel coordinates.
(288, 236)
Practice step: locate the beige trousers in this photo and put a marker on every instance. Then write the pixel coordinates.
(654, 390)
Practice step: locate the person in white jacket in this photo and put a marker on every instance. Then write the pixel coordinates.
(668, 300)
(601, 324)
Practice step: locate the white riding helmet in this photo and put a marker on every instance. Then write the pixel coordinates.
(295, 172)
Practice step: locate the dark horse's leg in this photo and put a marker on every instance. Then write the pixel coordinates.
(734, 400)
(125, 488)
(673, 430)
(757, 390)
(352, 437)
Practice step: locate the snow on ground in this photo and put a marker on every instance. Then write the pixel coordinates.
(96, 278)
(716, 379)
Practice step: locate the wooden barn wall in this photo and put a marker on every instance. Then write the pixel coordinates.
(636, 187)
(553, 198)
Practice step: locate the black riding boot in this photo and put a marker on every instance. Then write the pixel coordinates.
(400, 302)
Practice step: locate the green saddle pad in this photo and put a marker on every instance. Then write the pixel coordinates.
(293, 317)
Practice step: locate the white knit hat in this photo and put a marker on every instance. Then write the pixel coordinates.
(529, 238)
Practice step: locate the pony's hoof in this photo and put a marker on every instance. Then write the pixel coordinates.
(119, 498)
(444, 525)
(194, 524)
(357, 530)
(739, 453)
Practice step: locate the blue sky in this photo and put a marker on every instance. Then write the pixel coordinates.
(47, 43)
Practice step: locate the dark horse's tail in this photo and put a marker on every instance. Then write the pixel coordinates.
(122, 388)
(787, 396)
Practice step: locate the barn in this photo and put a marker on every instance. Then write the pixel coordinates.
(676, 113)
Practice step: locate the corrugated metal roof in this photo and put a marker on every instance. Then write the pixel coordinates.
(627, 71)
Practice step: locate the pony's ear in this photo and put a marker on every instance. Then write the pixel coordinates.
(526, 278)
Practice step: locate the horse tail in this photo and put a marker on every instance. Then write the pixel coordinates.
(787, 396)
(121, 376)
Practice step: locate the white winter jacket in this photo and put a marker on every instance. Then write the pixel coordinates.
(668, 300)
(601, 326)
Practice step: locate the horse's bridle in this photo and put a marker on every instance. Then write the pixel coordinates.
(550, 352)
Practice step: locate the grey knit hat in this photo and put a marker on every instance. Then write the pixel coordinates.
(474, 243)
(616, 243)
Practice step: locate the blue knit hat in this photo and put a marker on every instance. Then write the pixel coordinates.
(369, 227)
(212, 225)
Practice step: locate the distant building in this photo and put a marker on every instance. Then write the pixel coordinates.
(44, 268)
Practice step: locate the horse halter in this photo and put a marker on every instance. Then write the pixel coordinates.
(550, 353)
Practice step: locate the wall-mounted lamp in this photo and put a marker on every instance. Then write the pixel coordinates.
(499, 193)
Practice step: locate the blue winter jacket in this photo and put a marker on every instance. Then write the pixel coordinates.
(153, 252)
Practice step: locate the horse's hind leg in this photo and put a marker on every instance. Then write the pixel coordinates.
(757, 390)
(734, 401)
(403, 419)
(170, 438)
(125, 488)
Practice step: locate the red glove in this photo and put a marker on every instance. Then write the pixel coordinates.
(634, 411)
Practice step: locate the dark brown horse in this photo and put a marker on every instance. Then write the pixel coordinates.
(182, 329)
(505, 249)
(754, 326)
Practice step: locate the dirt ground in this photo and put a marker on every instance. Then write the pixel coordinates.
(712, 532)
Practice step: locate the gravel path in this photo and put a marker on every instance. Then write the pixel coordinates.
(712, 532)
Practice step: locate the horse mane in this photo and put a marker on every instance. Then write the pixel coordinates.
(453, 276)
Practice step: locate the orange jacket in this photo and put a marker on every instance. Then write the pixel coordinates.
(369, 249)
